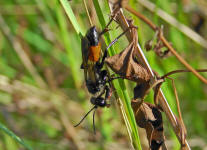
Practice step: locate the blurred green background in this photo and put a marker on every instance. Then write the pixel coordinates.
(42, 91)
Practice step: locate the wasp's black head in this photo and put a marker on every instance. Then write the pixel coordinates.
(98, 101)
(93, 36)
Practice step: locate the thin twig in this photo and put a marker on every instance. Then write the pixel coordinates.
(166, 43)
(86, 8)
(183, 128)
(173, 21)
(180, 71)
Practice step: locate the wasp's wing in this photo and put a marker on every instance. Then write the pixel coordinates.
(85, 55)
(85, 52)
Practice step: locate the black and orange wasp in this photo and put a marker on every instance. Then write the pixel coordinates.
(97, 79)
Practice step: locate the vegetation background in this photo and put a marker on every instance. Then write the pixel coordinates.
(42, 91)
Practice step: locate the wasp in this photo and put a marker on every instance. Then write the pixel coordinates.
(97, 79)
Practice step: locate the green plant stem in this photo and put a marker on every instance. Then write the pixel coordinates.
(71, 16)
(121, 85)
(16, 138)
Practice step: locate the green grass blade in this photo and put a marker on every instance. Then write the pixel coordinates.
(71, 16)
(15, 137)
(66, 39)
(121, 87)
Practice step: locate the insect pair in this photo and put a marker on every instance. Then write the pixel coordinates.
(98, 81)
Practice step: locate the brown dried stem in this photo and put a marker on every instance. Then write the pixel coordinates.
(194, 36)
(166, 43)
(86, 8)
(180, 71)
(183, 130)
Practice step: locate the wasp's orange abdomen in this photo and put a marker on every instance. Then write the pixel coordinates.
(94, 52)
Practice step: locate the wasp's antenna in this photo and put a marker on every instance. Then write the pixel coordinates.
(85, 116)
(94, 128)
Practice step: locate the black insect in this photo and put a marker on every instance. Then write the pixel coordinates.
(97, 79)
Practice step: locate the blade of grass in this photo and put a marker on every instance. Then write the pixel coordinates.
(63, 34)
(46, 13)
(71, 16)
(15, 137)
(68, 45)
(121, 86)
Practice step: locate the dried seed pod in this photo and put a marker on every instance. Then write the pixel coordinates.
(148, 45)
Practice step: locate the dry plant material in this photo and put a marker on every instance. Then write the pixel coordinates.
(157, 45)
(124, 4)
(162, 100)
(149, 117)
(145, 84)
(127, 65)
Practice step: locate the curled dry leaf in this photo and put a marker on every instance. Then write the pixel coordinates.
(158, 50)
(148, 45)
(149, 117)
(127, 65)
(140, 90)
(157, 45)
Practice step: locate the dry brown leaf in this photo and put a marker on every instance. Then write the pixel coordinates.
(141, 90)
(159, 52)
(127, 65)
(149, 117)
(157, 45)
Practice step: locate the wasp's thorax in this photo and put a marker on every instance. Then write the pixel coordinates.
(94, 44)
(93, 36)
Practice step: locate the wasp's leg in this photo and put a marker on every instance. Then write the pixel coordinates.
(110, 21)
(112, 43)
(107, 79)
(103, 76)
(108, 94)
(114, 78)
